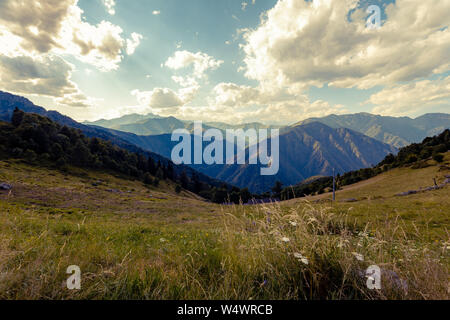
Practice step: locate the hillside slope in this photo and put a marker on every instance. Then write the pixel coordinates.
(388, 184)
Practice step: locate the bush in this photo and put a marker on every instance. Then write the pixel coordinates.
(30, 155)
(148, 179)
(439, 158)
(411, 158)
(17, 152)
(178, 189)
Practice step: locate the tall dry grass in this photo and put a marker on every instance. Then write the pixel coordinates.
(312, 252)
(262, 252)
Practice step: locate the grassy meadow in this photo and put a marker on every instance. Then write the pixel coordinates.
(132, 241)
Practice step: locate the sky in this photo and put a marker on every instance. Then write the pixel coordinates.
(234, 61)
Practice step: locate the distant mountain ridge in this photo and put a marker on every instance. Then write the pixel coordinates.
(151, 124)
(306, 151)
(398, 132)
(124, 120)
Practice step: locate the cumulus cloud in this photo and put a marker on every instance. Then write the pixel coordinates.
(246, 103)
(100, 45)
(47, 76)
(412, 97)
(201, 62)
(36, 35)
(231, 94)
(110, 6)
(303, 43)
(37, 23)
(133, 43)
(158, 98)
(57, 26)
(286, 113)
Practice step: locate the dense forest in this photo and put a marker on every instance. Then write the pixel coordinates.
(415, 155)
(39, 140)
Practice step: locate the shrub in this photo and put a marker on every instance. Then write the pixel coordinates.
(411, 158)
(30, 155)
(148, 179)
(439, 158)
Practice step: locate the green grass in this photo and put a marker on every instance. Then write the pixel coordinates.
(154, 244)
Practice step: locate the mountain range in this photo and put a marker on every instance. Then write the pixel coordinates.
(398, 132)
(151, 124)
(309, 148)
(395, 131)
(305, 151)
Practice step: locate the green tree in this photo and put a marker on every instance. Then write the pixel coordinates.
(245, 195)
(160, 173)
(184, 180)
(439, 158)
(148, 179)
(277, 188)
(30, 155)
(17, 117)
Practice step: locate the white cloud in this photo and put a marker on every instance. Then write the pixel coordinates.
(158, 98)
(287, 113)
(156, 12)
(37, 23)
(36, 35)
(185, 81)
(110, 6)
(201, 62)
(100, 45)
(301, 43)
(57, 26)
(133, 43)
(412, 98)
(46, 76)
(246, 104)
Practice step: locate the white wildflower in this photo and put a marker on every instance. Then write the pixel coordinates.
(301, 258)
(285, 239)
(358, 256)
(294, 224)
